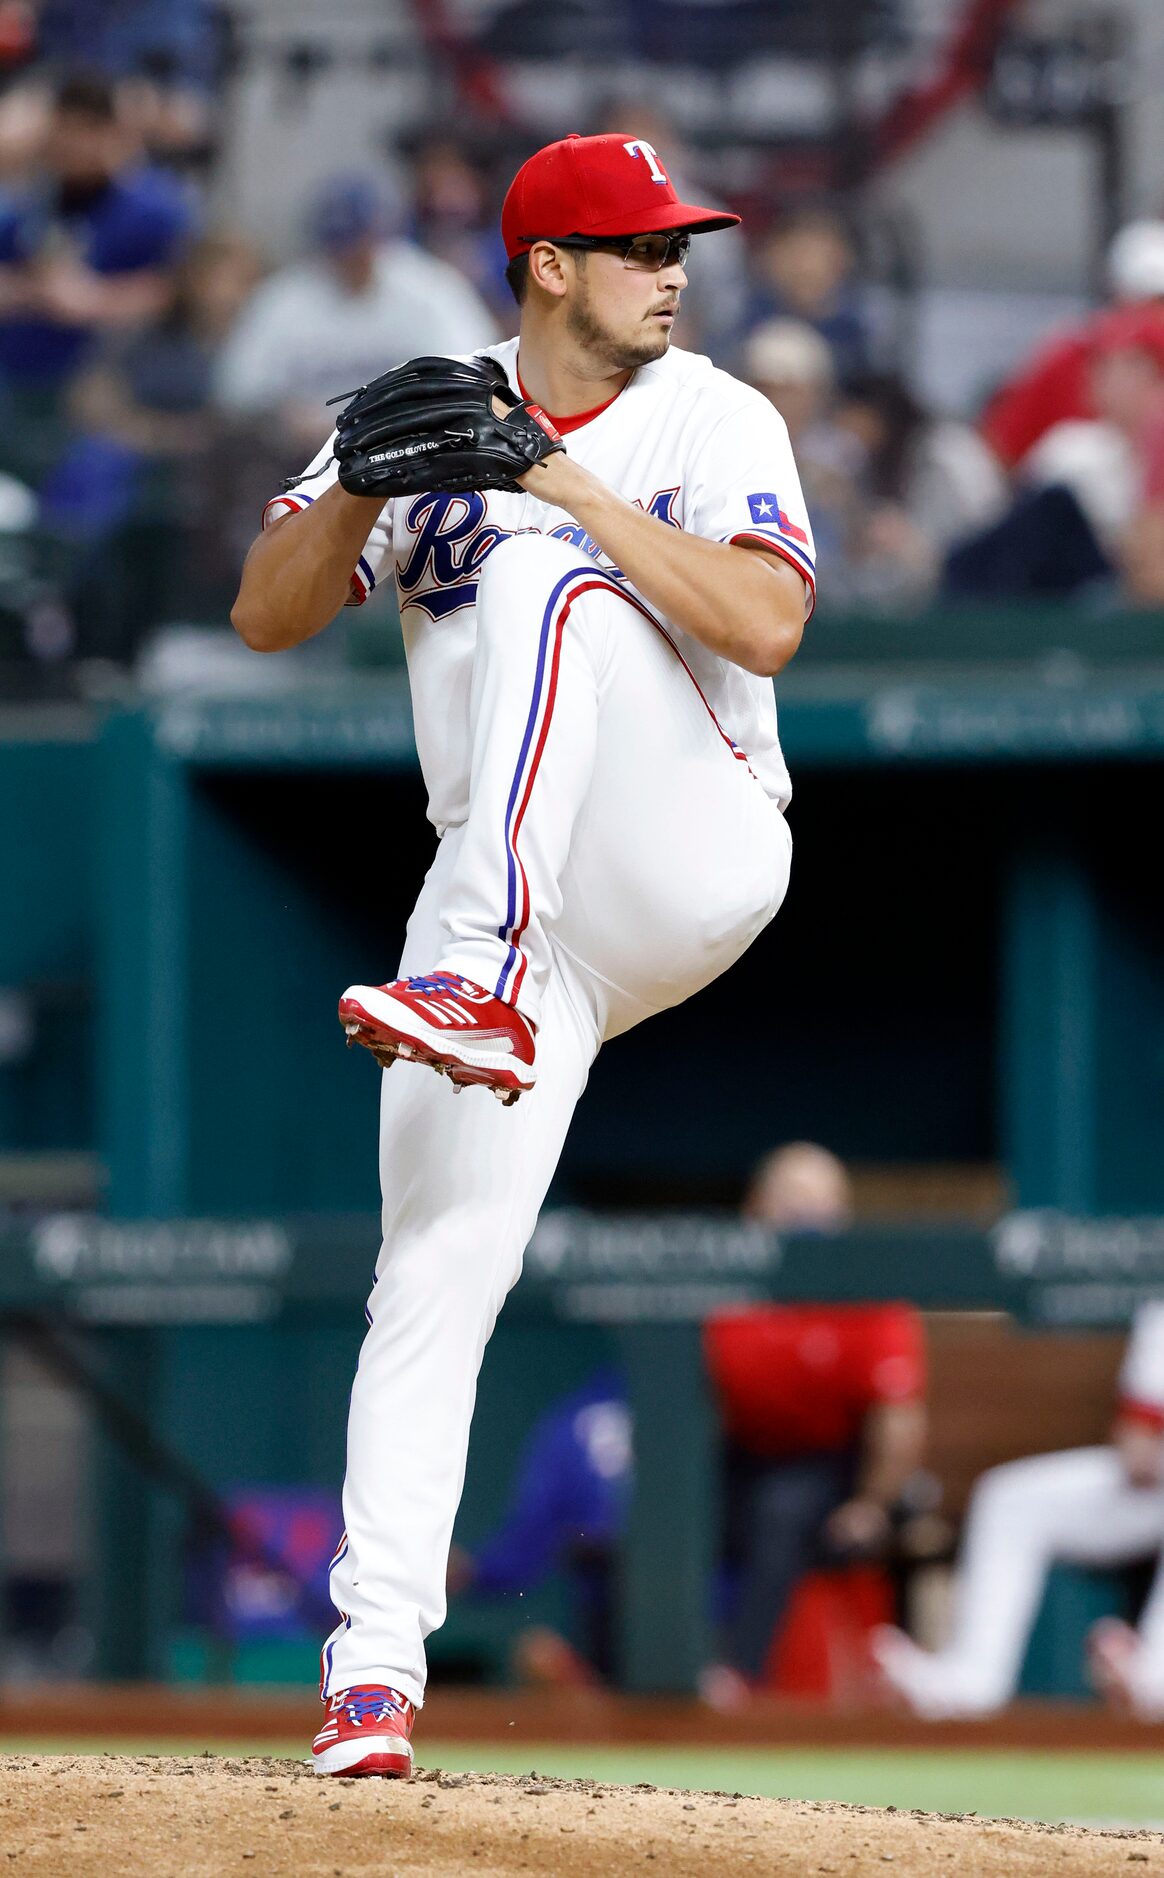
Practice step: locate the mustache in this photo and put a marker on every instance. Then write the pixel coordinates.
(668, 305)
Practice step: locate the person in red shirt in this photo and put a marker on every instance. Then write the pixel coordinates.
(1092, 512)
(823, 1412)
(1054, 387)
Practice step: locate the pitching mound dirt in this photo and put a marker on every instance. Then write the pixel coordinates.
(116, 1813)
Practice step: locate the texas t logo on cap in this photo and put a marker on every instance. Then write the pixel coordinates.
(596, 186)
(637, 147)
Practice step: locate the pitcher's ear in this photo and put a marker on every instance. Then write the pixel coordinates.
(548, 268)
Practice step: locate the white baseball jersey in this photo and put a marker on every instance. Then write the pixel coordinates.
(684, 441)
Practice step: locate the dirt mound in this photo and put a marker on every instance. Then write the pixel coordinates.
(177, 1818)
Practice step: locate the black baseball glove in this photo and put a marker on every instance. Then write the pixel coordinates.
(433, 424)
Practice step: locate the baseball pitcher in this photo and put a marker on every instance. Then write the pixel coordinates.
(602, 558)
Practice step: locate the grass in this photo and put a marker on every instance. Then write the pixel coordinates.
(1097, 1788)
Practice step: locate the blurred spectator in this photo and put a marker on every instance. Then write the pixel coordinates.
(800, 1187)
(454, 219)
(1092, 508)
(87, 248)
(363, 301)
(148, 475)
(163, 55)
(567, 1511)
(1056, 386)
(792, 365)
(148, 394)
(145, 400)
(806, 268)
(1093, 1506)
(926, 483)
(824, 1422)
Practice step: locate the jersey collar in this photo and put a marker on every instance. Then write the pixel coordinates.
(564, 425)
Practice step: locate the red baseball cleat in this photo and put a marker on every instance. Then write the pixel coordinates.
(366, 1732)
(449, 1023)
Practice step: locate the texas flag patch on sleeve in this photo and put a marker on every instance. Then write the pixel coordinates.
(764, 507)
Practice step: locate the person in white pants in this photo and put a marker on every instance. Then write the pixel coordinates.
(1099, 1506)
(590, 658)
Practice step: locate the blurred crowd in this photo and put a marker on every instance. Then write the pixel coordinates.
(158, 378)
(160, 374)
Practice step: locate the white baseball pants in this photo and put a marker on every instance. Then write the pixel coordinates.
(645, 861)
(1077, 1506)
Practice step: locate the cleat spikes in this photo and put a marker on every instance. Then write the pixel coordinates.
(444, 1023)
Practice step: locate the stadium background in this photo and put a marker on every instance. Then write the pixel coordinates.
(964, 996)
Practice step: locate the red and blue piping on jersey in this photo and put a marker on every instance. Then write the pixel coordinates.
(570, 588)
(363, 579)
(325, 1654)
(776, 543)
(288, 500)
(778, 536)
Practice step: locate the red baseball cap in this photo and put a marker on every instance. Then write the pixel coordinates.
(612, 185)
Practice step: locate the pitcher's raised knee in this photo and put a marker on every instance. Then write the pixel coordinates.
(520, 577)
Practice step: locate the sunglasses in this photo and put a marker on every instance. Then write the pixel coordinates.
(650, 253)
